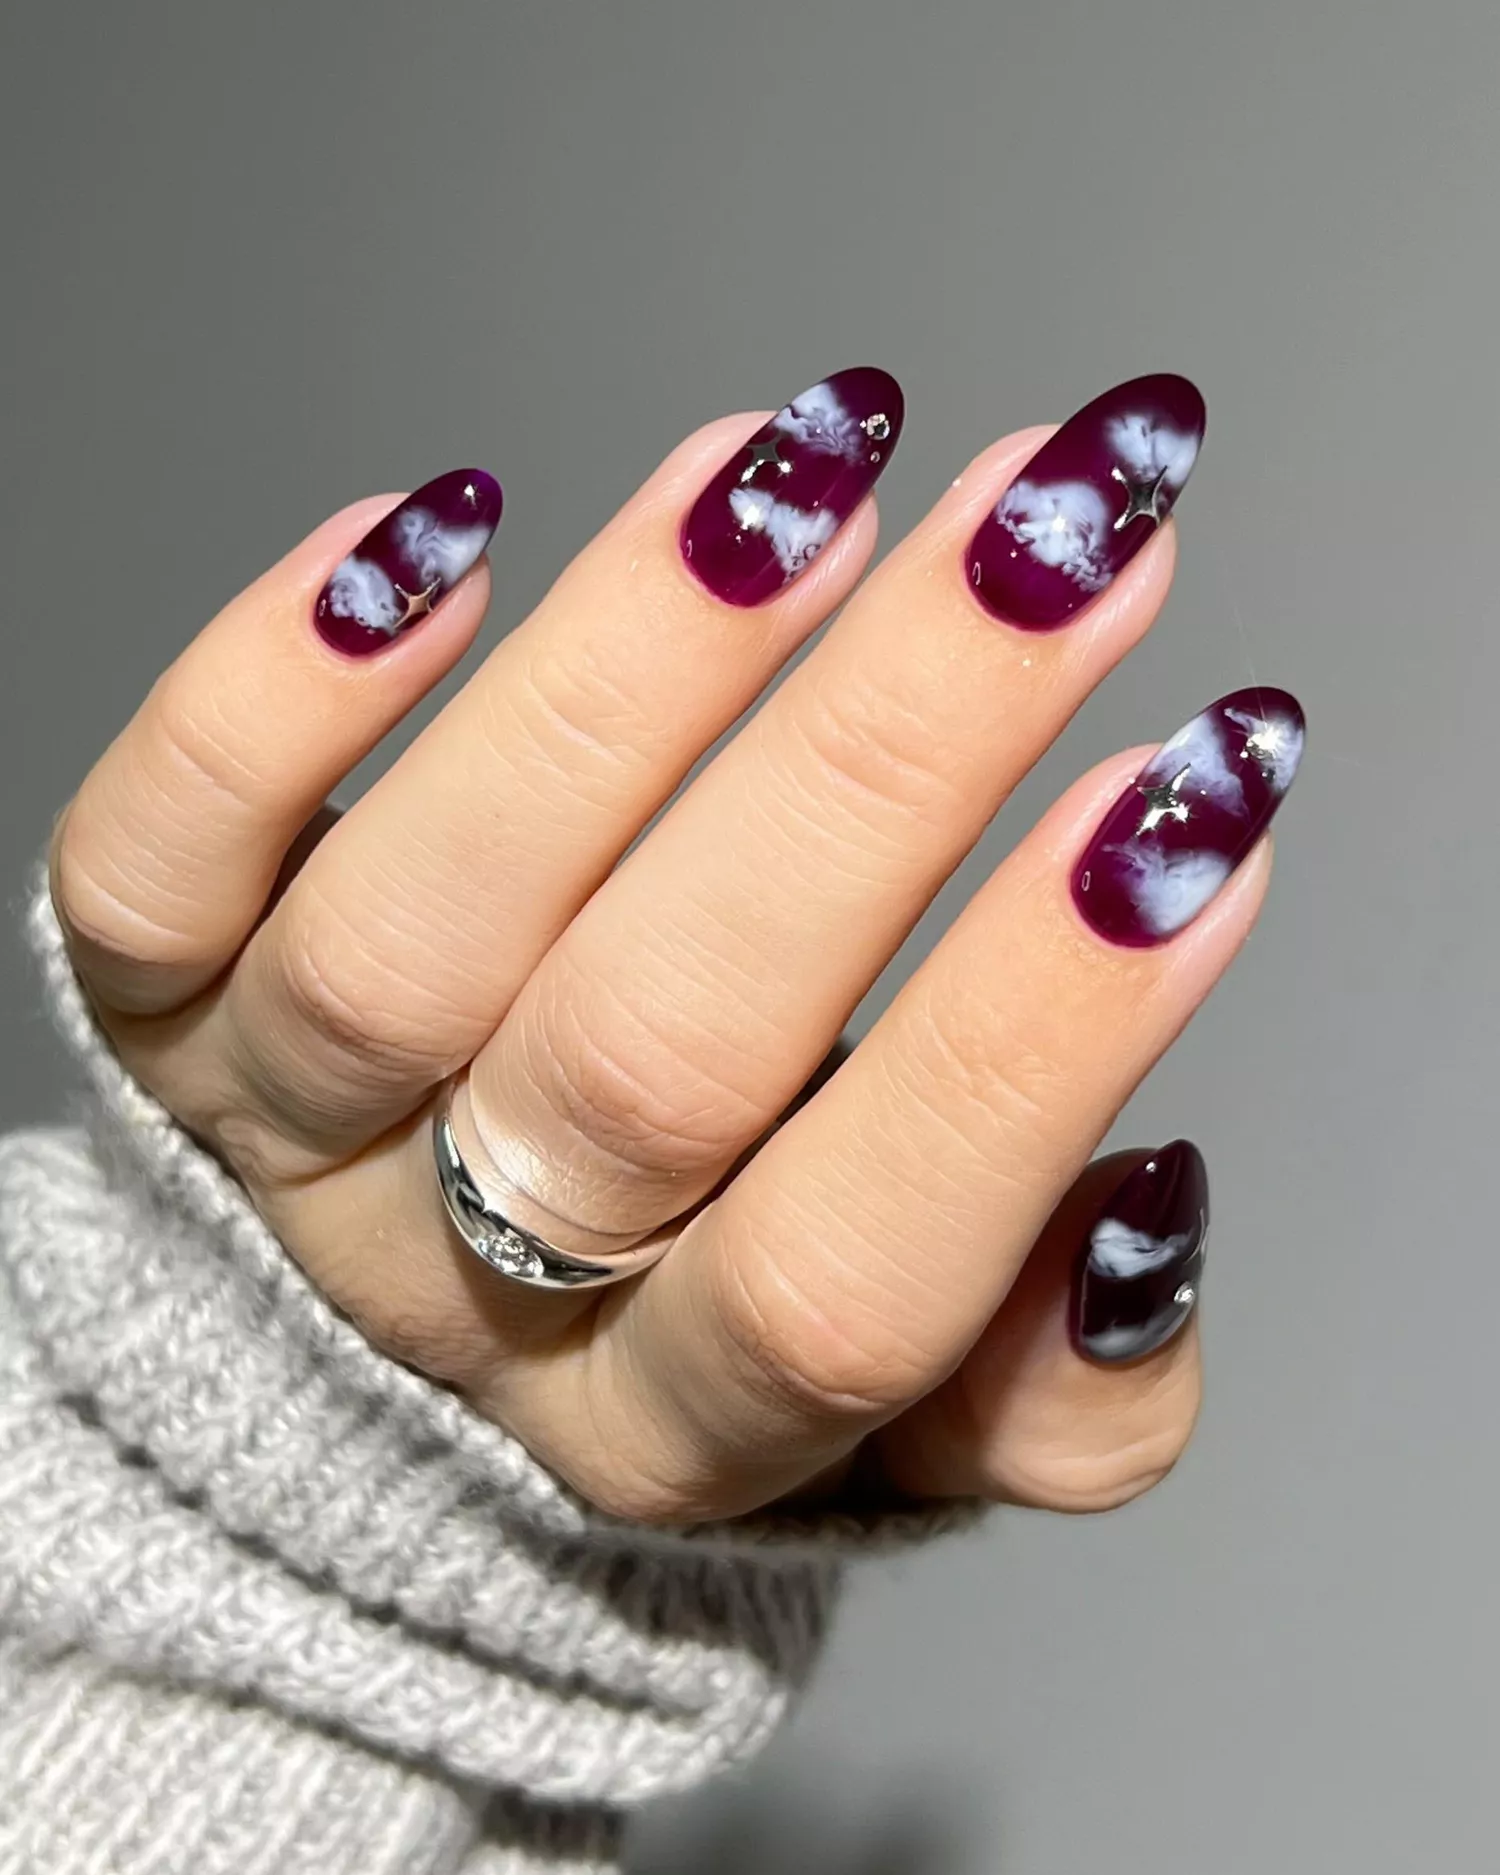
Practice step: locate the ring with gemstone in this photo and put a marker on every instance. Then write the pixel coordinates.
(509, 1248)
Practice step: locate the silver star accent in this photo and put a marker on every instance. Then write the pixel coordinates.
(878, 427)
(1163, 802)
(762, 454)
(418, 605)
(1264, 745)
(1140, 498)
(471, 494)
(1185, 1295)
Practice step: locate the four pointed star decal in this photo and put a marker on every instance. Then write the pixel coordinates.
(1163, 802)
(761, 454)
(1140, 498)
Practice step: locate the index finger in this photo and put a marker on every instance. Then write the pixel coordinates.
(165, 858)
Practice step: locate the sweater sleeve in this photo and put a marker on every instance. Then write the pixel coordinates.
(270, 1601)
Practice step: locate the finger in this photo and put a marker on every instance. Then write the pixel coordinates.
(1032, 1416)
(448, 881)
(853, 1263)
(163, 862)
(421, 1294)
(696, 990)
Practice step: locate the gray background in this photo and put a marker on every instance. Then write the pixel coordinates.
(262, 259)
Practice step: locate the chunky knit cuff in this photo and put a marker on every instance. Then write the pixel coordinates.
(102, 1771)
(212, 1486)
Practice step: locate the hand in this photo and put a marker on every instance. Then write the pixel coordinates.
(875, 1260)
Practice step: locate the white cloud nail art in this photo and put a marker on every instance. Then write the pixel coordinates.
(1199, 747)
(1123, 1342)
(819, 421)
(1145, 450)
(1063, 524)
(1068, 525)
(361, 591)
(436, 550)
(1169, 889)
(1274, 742)
(1115, 1249)
(796, 537)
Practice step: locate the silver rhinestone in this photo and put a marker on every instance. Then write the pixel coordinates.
(1185, 1295)
(510, 1256)
(878, 427)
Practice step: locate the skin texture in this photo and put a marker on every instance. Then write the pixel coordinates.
(875, 1271)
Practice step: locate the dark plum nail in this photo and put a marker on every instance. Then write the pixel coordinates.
(1189, 817)
(404, 565)
(1140, 1271)
(783, 495)
(1087, 502)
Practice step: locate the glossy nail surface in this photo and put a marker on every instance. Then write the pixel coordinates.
(1139, 1274)
(1087, 502)
(784, 494)
(1188, 819)
(407, 561)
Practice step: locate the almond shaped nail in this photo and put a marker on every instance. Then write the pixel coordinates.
(1191, 815)
(406, 563)
(1140, 1271)
(1087, 502)
(784, 494)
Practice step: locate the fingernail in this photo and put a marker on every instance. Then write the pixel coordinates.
(407, 561)
(1087, 502)
(783, 495)
(1139, 1273)
(1189, 817)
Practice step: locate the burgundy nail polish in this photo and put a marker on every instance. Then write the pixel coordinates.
(1139, 1274)
(407, 561)
(784, 494)
(1087, 502)
(1189, 817)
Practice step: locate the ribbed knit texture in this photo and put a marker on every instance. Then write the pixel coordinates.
(269, 1601)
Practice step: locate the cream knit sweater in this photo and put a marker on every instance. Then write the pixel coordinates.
(271, 1602)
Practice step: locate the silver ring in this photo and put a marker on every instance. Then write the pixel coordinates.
(509, 1248)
